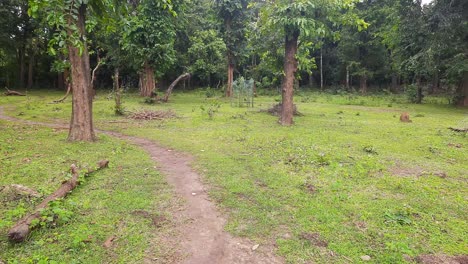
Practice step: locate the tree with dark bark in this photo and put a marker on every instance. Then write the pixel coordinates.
(296, 18)
(148, 38)
(233, 14)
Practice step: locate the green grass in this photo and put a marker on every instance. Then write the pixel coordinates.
(347, 170)
(101, 207)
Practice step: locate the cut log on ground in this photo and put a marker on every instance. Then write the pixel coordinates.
(65, 96)
(173, 84)
(22, 228)
(11, 92)
(461, 130)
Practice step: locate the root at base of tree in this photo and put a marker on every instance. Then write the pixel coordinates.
(277, 108)
(23, 227)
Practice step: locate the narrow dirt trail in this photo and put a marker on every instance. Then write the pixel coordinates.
(202, 239)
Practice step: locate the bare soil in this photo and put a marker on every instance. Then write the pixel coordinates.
(200, 231)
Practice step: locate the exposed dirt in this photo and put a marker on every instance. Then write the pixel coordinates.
(200, 225)
(315, 239)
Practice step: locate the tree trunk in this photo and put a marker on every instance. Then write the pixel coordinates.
(118, 94)
(22, 66)
(230, 79)
(321, 70)
(463, 91)
(394, 87)
(173, 84)
(81, 125)
(435, 82)
(30, 71)
(230, 61)
(419, 95)
(148, 83)
(363, 84)
(290, 68)
(347, 78)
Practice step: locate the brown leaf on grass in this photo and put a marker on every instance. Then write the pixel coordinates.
(109, 242)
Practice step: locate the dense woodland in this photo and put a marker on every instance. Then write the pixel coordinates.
(365, 46)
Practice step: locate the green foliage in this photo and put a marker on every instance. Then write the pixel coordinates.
(210, 108)
(54, 214)
(206, 54)
(149, 34)
(412, 93)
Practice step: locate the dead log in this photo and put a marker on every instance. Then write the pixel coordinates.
(173, 84)
(65, 96)
(460, 130)
(21, 229)
(11, 92)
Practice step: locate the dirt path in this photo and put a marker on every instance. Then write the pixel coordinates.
(199, 224)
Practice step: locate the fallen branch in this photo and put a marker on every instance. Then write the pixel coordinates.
(66, 95)
(21, 229)
(461, 130)
(11, 92)
(173, 84)
(150, 115)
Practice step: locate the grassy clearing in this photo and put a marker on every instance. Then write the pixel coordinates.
(348, 179)
(102, 206)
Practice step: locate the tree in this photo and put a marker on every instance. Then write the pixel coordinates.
(206, 54)
(447, 21)
(68, 19)
(148, 38)
(233, 14)
(296, 18)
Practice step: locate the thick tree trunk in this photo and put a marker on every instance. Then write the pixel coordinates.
(463, 91)
(290, 68)
(30, 71)
(173, 84)
(147, 80)
(363, 84)
(81, 125)
(20, 231)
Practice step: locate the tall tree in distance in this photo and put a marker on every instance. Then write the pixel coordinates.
(296, 18)
(149, 40)
(233, 14)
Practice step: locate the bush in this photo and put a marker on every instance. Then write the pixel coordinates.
(412, 94)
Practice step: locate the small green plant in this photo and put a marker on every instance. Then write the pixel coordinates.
(370, 149)
(322, 159)
(210, 92)
(150, 100)
(211, 109)
(400, 217)
(413, 94)
(53, 215)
